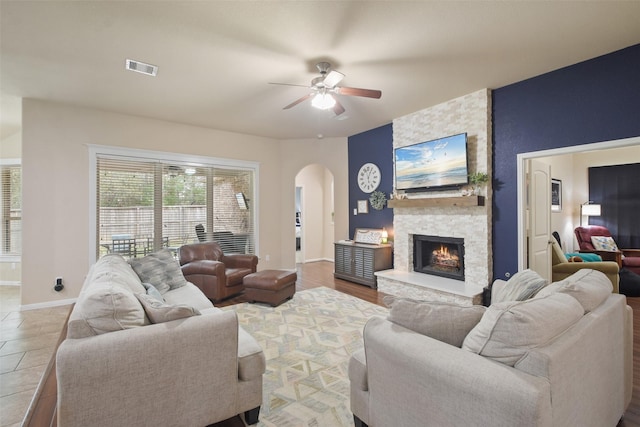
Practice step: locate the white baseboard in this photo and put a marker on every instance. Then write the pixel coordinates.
(47, 304)
(9, 283)
(318, 259)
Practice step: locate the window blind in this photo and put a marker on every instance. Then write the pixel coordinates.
(11, 210)
(145, 205)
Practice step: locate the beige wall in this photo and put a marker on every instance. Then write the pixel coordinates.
(56, 185)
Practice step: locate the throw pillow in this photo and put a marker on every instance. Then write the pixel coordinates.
(159, 269)
(153, 291)
(508, 330)
(603, 243)
(159, 312)
(523, 285)
(589, 287)
(443, 321)
(105, 306)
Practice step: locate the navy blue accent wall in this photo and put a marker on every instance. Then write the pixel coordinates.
(373, 146)
(593, 101)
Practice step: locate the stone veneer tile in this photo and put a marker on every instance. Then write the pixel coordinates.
(471, 114)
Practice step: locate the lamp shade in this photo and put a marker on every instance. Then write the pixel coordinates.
(591, 210)
(323, 101)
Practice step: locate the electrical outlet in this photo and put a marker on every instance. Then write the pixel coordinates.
(267, 258)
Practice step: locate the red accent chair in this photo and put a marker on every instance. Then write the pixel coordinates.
(218, 276)
(626, 258)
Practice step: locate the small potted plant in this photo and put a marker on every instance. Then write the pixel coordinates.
(477, 180)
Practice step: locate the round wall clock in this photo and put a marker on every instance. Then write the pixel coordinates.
(369, 177)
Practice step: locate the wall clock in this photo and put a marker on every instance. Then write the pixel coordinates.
(369, 177)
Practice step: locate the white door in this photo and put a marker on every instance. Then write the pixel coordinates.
(539, 219)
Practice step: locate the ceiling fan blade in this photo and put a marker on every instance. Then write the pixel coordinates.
(333, 78)
(338, 108)
(288, 84)
(354, 91)
(298, 101)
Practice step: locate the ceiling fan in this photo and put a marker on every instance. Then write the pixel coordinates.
(325, 87)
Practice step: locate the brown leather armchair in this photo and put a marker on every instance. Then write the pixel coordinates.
(218, 276)
(625, 258)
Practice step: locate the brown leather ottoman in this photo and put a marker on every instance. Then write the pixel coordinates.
(270, 286)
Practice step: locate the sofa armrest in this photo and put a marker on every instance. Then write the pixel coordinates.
(608, 256)
(631, 252)
(159, 374)
(565, 269)
(241, 261)
(446, 385)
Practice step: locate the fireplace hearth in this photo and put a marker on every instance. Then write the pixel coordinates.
(440, 256)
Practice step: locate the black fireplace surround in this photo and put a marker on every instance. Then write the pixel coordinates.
(440, 256)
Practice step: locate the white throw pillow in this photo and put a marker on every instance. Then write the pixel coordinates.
(160, 312)
(443, 321)
(602, 243)
(589, 287)
(523, 285)
(508, 330)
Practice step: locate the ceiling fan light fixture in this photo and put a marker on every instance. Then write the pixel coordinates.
(323, 101)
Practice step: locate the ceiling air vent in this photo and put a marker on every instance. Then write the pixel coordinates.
(141, 67)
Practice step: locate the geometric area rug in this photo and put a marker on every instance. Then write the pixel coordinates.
(307, 342)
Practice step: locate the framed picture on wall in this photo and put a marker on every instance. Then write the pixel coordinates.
(556, 195)
(363, 207)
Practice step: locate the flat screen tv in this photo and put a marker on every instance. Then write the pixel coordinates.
(438, 164)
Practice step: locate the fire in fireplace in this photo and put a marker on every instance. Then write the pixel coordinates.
(441, 256)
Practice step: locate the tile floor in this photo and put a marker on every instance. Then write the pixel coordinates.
(27, 341)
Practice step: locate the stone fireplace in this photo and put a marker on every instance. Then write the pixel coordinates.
(448, 213)
(440, 256)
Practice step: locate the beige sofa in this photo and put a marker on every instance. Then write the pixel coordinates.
(125, 362)
(562, 358)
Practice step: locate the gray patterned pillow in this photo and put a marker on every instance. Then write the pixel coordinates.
(159, 269)
(160, 312)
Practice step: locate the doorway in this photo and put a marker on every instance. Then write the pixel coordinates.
(314, 214)
(572, 163)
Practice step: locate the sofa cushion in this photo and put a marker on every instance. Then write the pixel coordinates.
(523, 285)
(105, 306)
(604, 243)
(117, 269)
(508, 330)
(589, 287)
(160, 312)
(159, 269)
(190, 295)
(443, 321)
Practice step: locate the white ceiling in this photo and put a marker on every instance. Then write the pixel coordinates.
(216, 58)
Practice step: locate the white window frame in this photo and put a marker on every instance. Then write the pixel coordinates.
(190, 160)
(11, 257)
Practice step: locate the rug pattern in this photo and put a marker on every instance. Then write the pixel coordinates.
(307, 343)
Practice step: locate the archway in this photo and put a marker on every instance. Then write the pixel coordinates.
(314, 214)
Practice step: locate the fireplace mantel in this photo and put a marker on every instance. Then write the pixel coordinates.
(436, 202)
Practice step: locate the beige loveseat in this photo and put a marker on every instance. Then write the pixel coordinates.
(562, 358)
(125, 362)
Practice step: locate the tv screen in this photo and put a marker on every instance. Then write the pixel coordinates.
(440, 163)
